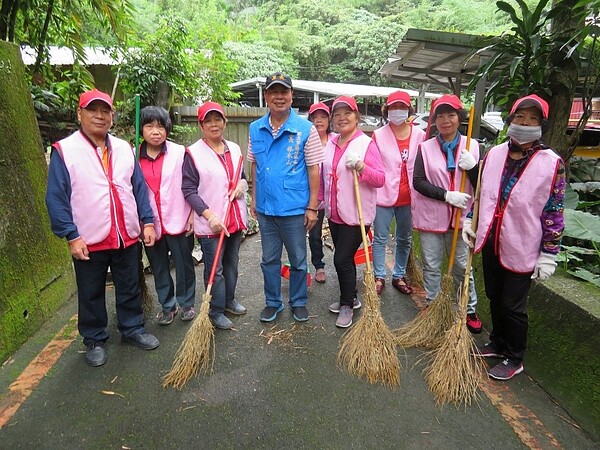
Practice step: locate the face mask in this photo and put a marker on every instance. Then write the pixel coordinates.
(398, 116)
(523, 135)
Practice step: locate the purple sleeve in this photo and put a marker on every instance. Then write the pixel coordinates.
(553, 222)
(189, 185)
(374, 172)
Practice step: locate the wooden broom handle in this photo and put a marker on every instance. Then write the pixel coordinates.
(362, 221)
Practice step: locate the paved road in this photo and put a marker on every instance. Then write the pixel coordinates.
(270, 389)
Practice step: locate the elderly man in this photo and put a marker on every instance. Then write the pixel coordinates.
(96, 199)
(285, 151)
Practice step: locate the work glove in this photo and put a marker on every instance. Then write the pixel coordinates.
(240, 190)
(457, 199)
(468, 233)
(544, 267)
(352, 158)
(216, 225)
(466, 160)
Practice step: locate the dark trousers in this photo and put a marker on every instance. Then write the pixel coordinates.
(346, 239)
(315, 241)
(91, 288)
(507, 292)
(226, 276)
(183, 292)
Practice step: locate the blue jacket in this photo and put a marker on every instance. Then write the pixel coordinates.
(281, 183)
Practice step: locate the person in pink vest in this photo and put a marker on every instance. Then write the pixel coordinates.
(440, 164)
(96, 199)
(350, 150)
(208, 185)
(162, 163)
(519, 228)
(318, 114)
(398, 142)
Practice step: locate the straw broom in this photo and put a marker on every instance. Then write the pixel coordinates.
(196, 354)
(368, 350)
(455, 373)
(428, 327)
(413, 270)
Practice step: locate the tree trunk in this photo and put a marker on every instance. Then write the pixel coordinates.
(42, 44)
(163, 96)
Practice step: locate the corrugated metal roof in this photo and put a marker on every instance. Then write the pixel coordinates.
(63, 56)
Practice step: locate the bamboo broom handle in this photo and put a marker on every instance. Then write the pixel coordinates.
(362, 221)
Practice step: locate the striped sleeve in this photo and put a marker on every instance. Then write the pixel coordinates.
(313, 150)
(249, 154)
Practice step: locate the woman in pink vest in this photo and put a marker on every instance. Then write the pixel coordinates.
(350, 150)
(162, 163)
(318, 114)
(440, 164)
(398, 142)
(209, 186)
(519, 228)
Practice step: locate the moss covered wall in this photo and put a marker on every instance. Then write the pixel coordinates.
(35, 267)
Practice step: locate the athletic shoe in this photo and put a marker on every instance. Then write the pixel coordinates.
(489, 350)
(234, 307)
(269, 314)
(221, 322)
(505, 370)
(335, 307)
(188, 314)
(344, 319)
(300, 313)
(474, 324)
(166, 318)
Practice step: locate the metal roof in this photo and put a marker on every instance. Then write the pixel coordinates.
(63, 56)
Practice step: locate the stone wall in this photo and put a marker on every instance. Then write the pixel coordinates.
(35, 267)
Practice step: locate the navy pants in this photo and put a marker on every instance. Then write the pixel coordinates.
(315, 241)
(346, 239)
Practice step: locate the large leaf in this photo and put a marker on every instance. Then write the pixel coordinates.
(586, 275)
(571, 198)
(582, 225)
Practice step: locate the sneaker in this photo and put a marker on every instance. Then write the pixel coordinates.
(489, 350)
(234, 307)
(166, 318)
(505, 370)
(474, 324)
(379, 285)
(188, 314)
(221, 321)
(335, 307)
(344, 319)
(320, 276)
(269, 314)
(300, 313)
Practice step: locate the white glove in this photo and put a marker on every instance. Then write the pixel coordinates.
(216, 225)
(466, 160)
(352, 158)
(240, 190)
(457, 198)
(468, 233)
(544, 267)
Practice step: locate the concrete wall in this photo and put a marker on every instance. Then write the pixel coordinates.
(35, 267)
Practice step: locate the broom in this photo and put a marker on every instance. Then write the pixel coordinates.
(413, 270)
(428, 327)
(197, 351)
(455, 373)
(368, 350)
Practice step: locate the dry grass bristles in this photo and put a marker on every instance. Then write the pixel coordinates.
(196, 353)
(282, 337)
(368, 349)
(413, 270)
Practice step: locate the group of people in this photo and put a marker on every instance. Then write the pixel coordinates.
(102, 201)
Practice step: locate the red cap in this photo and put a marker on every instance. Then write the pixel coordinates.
(208, 107)
(318, 107)
(89, 96)
(447, 99)
(398, 97)
(347, 101)
(532, 100)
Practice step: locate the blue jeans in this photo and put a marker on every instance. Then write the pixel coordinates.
(276, 232)
(381, 225)
(433, 246)
(184, 292)
(226, 275)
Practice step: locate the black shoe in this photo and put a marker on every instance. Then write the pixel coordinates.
(269, 314)
(221, 322)
(96, 355)
(300, 313)
(145, 341)
(489, 350)
(234, 307)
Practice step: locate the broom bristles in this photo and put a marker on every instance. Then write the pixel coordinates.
(368, 349)
(455, 373)
(428, 327)
(196, 353)
(413, 270)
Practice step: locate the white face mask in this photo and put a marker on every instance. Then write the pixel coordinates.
(523, 135)
(398, 116)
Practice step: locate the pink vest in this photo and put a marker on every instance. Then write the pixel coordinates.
(102, 204)
(170, 209)
(214, 187)
(519, 240)
(437, 216)
(346, 199)
(392, 161)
